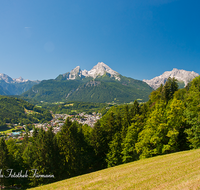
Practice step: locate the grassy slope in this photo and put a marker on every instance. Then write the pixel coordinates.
(173, 171)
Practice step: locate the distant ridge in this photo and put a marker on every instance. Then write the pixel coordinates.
(10, 86)
(181, 75)
(7, 79)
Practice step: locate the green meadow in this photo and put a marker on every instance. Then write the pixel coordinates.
(172, 171)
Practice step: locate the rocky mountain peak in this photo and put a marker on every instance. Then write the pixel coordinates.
(179, 74)
(74, 73)
(98, 70)
(8, 79)
(5, 78)
(76, 69)
(20, 79)
(9, 86)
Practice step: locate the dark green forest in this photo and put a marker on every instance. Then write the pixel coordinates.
(168, 122)
(12, 110)
(74, 107)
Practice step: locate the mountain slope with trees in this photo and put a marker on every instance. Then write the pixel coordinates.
(12, 110)
(102, 89)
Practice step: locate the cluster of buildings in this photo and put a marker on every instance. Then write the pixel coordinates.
(89, 119)
(59, 119)
(57, 122)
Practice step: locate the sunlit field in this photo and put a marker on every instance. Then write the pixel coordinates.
(173, 171)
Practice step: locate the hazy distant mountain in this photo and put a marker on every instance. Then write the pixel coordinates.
(9, 86)
(100, 84)
(181, 75)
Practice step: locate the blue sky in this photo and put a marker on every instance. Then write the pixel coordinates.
(139, 39)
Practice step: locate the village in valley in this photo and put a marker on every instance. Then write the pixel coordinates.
(17, 131)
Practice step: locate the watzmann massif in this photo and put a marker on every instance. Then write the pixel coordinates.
(100, 84)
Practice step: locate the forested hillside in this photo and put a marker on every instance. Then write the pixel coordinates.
(102, 89)
(51, 90)
(73, 107)
(13, 110)
(167, 123)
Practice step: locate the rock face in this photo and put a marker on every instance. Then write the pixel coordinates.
(98, 70)
(180, 75)
(74, 73)
(5, 78)
(20, 79)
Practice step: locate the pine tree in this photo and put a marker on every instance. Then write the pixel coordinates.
(134, 109)
(5, 163)
(100, 145)
(169, 89)
(73, 150)
(110, 126)
(14, 150)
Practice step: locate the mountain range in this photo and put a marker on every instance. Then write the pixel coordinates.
(100, 84)
(183, 77)
(10, 86)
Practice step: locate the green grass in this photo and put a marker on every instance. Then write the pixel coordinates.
(173, 171)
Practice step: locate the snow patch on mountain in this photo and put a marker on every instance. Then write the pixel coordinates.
(180, 75)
